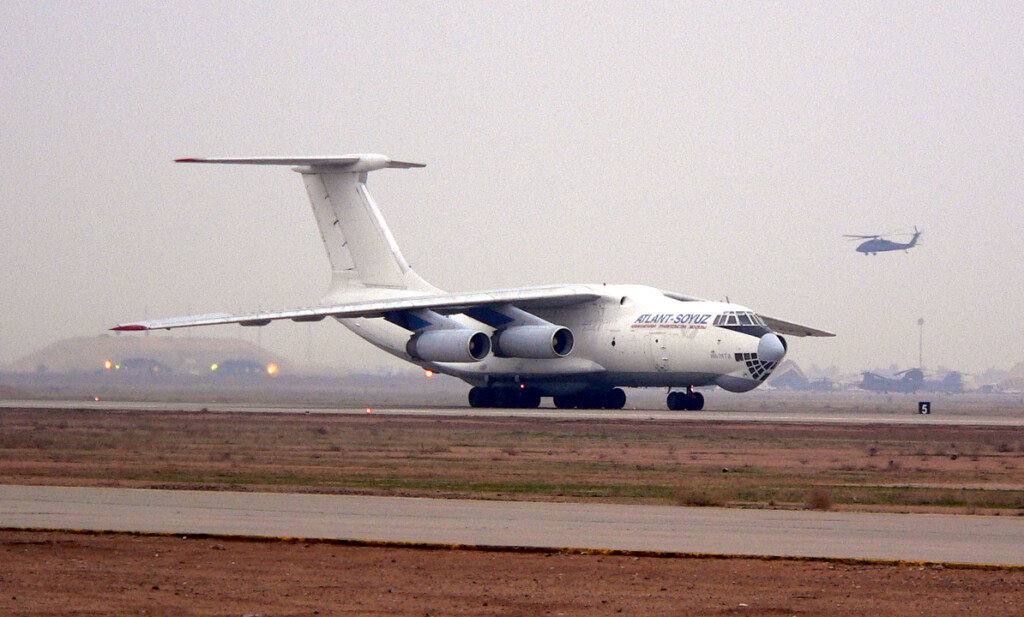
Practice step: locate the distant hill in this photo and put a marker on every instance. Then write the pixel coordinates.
(179, 355)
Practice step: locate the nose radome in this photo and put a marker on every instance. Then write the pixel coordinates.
(771, 348)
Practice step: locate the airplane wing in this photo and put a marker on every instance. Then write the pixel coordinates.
(778, 325)
(523, 298)
(792, 329)
(682, 297)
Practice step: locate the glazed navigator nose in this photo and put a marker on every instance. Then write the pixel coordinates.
(771, 348)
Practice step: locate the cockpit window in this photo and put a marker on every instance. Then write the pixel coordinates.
(727, 318)
(733, 318)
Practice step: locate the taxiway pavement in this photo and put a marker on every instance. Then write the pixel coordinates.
(899, 537)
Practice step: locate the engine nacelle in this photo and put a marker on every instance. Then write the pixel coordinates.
(771, 348)
(533, 342)
(455, 345)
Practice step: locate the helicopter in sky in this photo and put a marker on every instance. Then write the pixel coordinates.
(879, 244)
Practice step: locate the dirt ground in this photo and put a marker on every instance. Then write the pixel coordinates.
(44, 574)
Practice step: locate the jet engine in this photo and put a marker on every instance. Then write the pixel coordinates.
(454, 345)
(548, 341)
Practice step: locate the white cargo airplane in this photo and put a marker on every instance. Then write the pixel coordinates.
(577, 343)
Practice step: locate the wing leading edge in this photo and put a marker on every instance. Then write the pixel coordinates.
(525, 298)
(792, 329)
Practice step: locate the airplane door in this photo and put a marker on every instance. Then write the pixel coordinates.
(657, 351)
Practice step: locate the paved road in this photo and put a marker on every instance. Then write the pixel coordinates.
(942, 538)
(834, 416)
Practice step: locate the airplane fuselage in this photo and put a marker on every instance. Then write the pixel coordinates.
(632, 336)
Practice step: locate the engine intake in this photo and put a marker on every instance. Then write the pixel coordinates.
(533, 342)
(457, 345)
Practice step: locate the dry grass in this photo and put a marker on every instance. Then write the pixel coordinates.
(702, 496)
(817, 499)
(694, 463)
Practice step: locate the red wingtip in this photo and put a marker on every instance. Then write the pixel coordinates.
(188, 160)
(130, 328)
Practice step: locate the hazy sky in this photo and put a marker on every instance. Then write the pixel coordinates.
(716, 149)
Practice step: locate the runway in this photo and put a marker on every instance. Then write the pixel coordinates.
(833, 416)
(718, 531)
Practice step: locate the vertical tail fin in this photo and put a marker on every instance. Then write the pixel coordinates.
(917, 234)
(360, 248)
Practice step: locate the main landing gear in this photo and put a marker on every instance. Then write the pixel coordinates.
(528, 398)
(592, 399)
(507, 397)
(689, 400)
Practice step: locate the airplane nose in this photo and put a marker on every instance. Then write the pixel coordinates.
(771, 348)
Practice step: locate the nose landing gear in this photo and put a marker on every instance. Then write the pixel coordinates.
(689, 400)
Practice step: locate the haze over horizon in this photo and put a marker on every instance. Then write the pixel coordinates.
(711, 149)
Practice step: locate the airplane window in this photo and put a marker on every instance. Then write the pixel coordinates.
(733, 320)
(744, 319)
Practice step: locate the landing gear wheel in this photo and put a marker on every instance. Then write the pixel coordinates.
(676, 401)
(564, 401)
(690, 401)
(505, 397)
(592, 399)
(529, 399)
(695, 401)
(481, 397)
(615, 399)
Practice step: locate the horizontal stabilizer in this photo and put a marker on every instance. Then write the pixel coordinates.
(344, 163)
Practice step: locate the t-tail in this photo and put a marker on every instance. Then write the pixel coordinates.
(365, 260)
